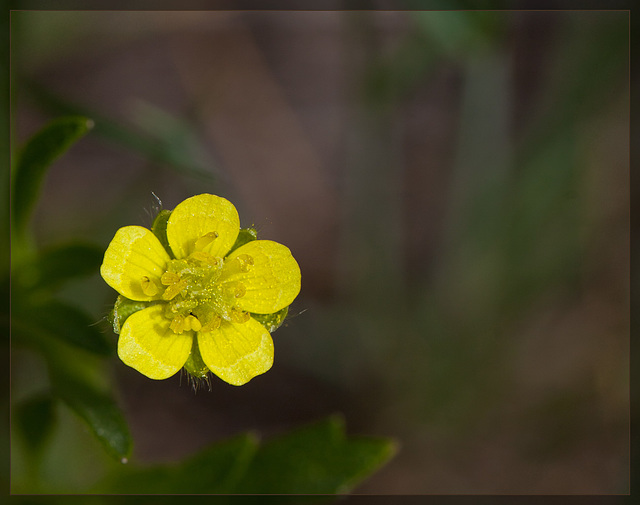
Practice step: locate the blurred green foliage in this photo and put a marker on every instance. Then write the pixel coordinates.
(315, 459)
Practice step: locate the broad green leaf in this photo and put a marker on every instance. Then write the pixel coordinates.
(272, 321)
(122, 309)
(54, 266)
(245, 236)
(316, 459)
(62, 322)
(98, 410)
(35, 419)
(215, 470)
(37, 155)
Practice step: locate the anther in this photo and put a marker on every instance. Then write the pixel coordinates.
(204, 257)
(245, 262)
(169, 278)
(212, 324)
(178, 324)
(235, 289)
(239, 316)
(149, 288)
(205, 240)
(172, 291)
(194, 323)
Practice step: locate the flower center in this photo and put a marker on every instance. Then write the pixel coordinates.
(198, 295)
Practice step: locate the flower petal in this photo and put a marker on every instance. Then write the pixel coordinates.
(237, 352)
(198, 216)
(133, 257)
(272, 282)
(147, 344)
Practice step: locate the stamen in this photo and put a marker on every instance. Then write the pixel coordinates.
(245, 261)
(178, 324)
(240, 290)
(149, 288)
(235, 289)
(205, 240)
(169, 278)
(204, 258)
(212, 324)
(238, 316)
(172, 291)
(194, 323)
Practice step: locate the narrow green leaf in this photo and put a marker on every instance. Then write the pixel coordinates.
(37, 155)
(316, 459)
(35, 419)
(54, 266)
(62, 322)
(156, 149)
(98, 410)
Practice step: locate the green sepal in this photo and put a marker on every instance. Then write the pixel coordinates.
(245, 236)
(159, 229)
(35, 418)
(272, 321)
(37, 155)
(122, 309)
(195, 365)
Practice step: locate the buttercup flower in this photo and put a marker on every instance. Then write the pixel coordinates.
(201, 297)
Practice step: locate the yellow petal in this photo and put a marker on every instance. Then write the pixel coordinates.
(134, 262)
(237, 352)
(147, 344)
(199, 219)
(272, 282)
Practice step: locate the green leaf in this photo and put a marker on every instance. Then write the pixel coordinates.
(122, 309)
(62, 322)
(54, 266)
(316, 459)
(37, 155)
(98, 410)
(245, 236)
(157, 149)
(35, 419)
(215, 470)
(272, 321)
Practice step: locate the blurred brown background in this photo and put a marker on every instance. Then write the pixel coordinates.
(454, 185)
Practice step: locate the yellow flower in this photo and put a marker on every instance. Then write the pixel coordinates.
(201, 296)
